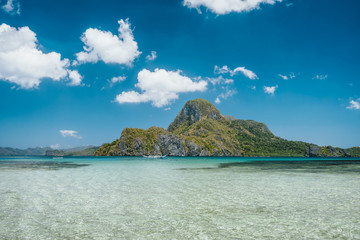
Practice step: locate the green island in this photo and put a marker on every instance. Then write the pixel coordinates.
(200, 129)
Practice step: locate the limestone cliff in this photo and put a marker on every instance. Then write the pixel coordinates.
(199, 129)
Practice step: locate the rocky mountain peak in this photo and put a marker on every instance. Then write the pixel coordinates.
(193, 111)
(199, 129)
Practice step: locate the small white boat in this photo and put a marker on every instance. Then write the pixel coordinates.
(155, 156)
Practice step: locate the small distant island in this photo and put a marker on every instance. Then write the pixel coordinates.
(200, 129)
(48, 151)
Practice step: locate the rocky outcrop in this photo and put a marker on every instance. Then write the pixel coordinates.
(312, 151)
(199, 129)
(194, 111)
(195, 150)
(328, 151)
(169, 145)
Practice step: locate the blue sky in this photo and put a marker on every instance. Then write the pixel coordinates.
(77, 73)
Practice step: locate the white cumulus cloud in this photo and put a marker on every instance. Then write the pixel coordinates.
(226, 6)
(11, 7)
(225, 69)
(109, 48)
(75, 78)
(22, 63)
(69, 133)
(152, 56)
(117, 79)
(354, 105)
(270, 90)
(160, 87)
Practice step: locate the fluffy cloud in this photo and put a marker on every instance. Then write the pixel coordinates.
(246, 72)
(75, 78)
(69, 133)
(12, 7)
(270, 90)
(354, 104)
(160, 87)
(117, 79)
(226, 6)
(22, 63)
(109, 48)
(152, 56)
(320, 77)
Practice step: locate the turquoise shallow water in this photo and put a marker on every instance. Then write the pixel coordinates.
(179, 198)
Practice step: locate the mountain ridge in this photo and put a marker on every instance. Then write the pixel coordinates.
(36, 151)
(48, 151)
(199, 129)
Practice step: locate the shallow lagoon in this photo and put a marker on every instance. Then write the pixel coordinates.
(179, 198)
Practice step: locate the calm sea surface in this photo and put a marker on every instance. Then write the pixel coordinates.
(179, 198)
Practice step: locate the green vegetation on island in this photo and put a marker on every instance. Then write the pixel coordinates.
(354, 151)
(48, 151)
(199, 129)
(38, 151)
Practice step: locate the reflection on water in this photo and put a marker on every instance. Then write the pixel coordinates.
(46, 165)
(312, 166)
(133, 198)
(316, 166)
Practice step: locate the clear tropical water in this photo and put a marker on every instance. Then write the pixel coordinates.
(178, 198)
